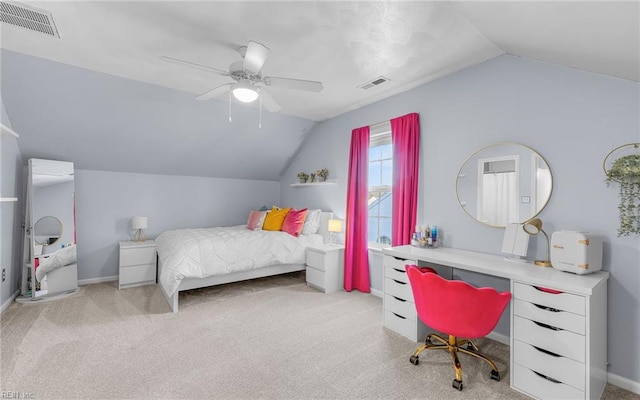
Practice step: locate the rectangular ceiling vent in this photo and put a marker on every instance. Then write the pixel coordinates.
(28, 17)
(375, 82)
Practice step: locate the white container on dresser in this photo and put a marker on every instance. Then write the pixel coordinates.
(325, 267)
(558, 342)
(138, 264)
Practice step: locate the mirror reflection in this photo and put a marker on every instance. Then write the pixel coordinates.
(47, 230)
(504, 183)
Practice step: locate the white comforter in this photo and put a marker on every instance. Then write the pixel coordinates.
(200, 253)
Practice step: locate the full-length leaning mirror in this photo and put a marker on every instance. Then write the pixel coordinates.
(50, 267)
(504, 183)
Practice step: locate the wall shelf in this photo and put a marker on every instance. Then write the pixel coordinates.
(6, 130)
(327, 182)
(8, 199)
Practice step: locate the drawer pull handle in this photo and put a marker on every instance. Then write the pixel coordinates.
(546, 377)
(547, 290)
(546, 352)
(399, 316)
(399, 299)
(399, 258)
(547, 326)
(400, 270)
(401, 283)
(546, 308)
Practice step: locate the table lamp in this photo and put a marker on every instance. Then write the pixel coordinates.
(533, 227)
(138, 224)
(335, 226)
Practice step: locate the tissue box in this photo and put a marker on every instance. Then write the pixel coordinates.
(576, 252)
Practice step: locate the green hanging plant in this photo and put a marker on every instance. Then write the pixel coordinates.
(626, 171)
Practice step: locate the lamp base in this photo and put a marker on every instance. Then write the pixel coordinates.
(138, 236)
(542, 263)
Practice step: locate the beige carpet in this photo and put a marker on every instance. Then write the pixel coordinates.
(271, 338)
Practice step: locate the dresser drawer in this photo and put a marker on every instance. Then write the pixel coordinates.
(137, 274)
(137, 256)
(398, 289)
(559, 368)
(399, 306)
(561, 301)
(537, 386)
(560, 319)
(315, 259)
(564, 343)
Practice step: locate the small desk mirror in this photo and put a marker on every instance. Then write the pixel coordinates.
(504, 183)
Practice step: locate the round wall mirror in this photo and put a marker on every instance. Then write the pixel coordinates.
(504, 183)
(47, 230)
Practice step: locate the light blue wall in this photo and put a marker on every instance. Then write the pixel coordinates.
(10, 212)
(106, 202)
(572, 118)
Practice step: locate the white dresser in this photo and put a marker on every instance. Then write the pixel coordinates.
(558, 320)
(137, 264)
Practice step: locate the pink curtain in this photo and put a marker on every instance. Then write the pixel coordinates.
(405, 137)
(356, 258)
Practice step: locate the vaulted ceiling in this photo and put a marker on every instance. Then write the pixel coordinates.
(101, 96)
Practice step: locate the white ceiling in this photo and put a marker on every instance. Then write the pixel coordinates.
(342, 44)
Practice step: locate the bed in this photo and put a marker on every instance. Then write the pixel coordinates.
(195, 258)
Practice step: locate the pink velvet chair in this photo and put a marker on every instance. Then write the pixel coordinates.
(458, 310)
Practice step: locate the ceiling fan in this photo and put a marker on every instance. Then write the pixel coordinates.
(247, 74)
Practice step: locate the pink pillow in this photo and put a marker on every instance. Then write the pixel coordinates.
(294, 221)
(256, 219)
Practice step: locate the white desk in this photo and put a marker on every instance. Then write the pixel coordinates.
(558, 340)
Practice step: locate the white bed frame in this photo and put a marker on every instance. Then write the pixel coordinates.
(195, 283)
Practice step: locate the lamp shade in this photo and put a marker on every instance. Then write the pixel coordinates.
(244, 91)
(335, 225)
(139, 222)
(533, 226)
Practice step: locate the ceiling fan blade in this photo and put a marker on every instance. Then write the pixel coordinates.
(255, 57)
(194, 65)
(214, 92)
(268, 101)
(297, 84)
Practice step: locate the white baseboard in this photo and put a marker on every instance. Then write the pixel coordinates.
(97, 280)
(499, 337)
(377, 293)
(7, 303)
(624, 383)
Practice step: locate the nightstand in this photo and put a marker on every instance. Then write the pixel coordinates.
(137, 264)
(325, 267)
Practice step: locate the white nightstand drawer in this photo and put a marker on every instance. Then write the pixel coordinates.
(528, 381)
(564, 343)
(315, 277)
(137, 255)
(398, 289)
(560, 319)
(559, 368)
(561, 301)
(138, 274)
(315, 259)
(399, 306)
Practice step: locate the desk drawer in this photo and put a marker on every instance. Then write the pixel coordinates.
(559, 368)
(400, 307)
(137, 256)
(561, 301)
(396, 273)
(401, 325)
(564, 343)
(537, 386)
(560, 319)
(398, 289)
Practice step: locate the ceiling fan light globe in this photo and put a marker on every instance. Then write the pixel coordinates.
(245, 94)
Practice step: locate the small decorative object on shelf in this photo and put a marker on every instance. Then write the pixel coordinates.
(426, 236)
(322, 174)
(303, 177)
(624, 169)
(312, 177)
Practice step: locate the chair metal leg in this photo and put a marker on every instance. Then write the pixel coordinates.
(453, 350)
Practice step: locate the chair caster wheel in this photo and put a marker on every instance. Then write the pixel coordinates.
(495, 375)
(457, 384)
(415, 360)
(470, 346)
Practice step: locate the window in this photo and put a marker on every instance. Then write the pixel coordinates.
(380, 184)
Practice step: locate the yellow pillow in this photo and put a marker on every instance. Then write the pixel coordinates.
(275, 219)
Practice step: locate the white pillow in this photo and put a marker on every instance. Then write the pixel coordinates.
(312, 222)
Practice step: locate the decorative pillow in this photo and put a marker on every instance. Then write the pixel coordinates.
(312, 223)
(263, 208)
(256, 220)
(294, 221)
(275, 219)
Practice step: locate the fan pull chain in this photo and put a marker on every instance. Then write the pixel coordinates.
(229, 106)
(260, 124)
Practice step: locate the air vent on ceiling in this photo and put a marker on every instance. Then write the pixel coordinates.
(28, 17)
(374, 82)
